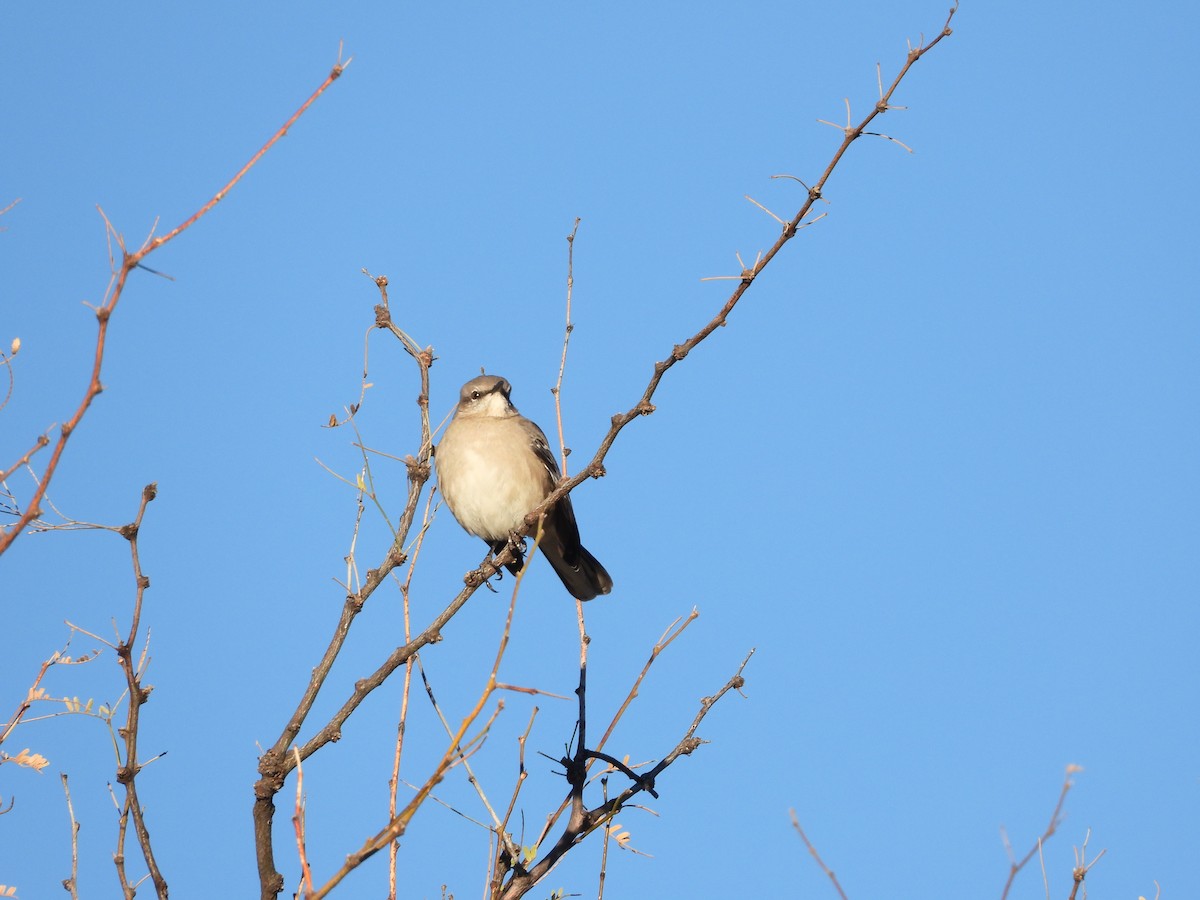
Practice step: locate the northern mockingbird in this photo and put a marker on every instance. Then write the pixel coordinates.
(494, 467)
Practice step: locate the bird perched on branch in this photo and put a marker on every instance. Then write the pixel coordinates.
(494, 467)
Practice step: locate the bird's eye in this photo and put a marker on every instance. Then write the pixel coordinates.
(474, 395)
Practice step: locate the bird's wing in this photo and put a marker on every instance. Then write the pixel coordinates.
(560, 521)
(541, 449)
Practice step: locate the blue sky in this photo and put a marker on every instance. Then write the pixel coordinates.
(939, 469)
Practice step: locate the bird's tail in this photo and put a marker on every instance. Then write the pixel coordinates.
(581, 573)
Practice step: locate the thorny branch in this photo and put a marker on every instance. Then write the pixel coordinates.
(644, 406)
(116, 287)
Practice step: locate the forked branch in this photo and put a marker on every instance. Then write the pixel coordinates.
(275, 765)
(1016, 865)
(583, 821)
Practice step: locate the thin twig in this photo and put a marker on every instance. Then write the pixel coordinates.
(306, 881)
(402, 724)
(500, 865)
(674, 630)
(493, 685)
(1055, 820)
(604, 851)
(1042, 863)
(471, 776)
(6, 361)
(568, 328)
(817, 856)
(1082, 866)
(72, 884)
(34, 692)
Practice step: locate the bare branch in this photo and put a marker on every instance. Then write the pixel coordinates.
(33, 693)
(583, 821)
(674, 630)
(568, 328)
(501, 864)
(454, 754)
(42, 441)
(138, 695)
(402, 724)
(1082, 866)
(129, 262)
(277, 763)
(644, 406)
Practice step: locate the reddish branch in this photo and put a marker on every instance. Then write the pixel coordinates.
(25, 704)
(129, 262)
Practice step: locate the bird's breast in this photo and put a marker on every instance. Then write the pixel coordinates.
(494, 477)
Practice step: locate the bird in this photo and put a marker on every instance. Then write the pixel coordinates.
(494, 467)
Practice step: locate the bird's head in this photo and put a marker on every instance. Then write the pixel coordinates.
(486, 395)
